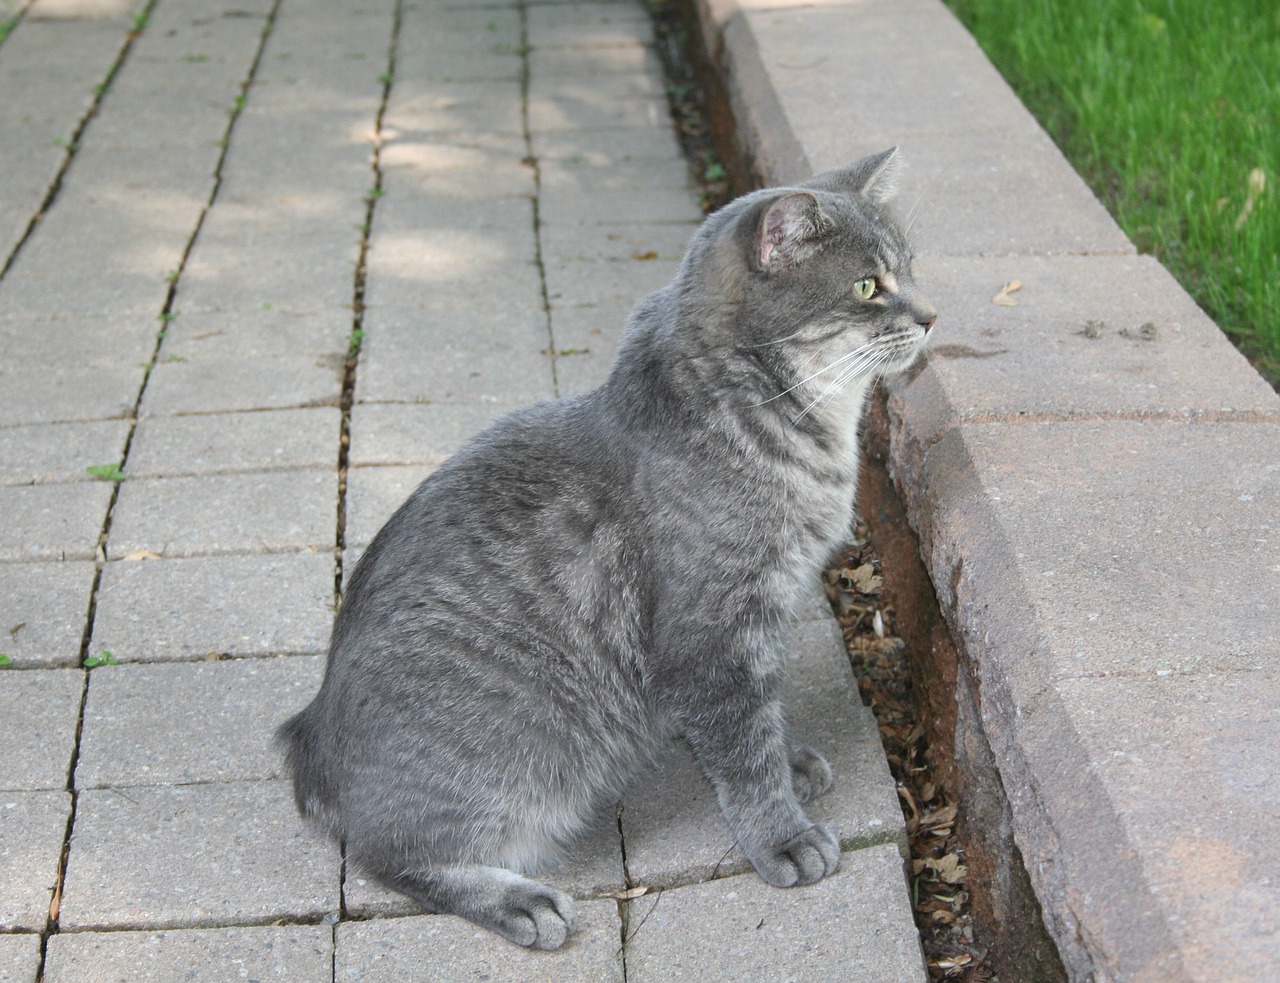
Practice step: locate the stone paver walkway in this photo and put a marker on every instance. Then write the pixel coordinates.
(206, 206)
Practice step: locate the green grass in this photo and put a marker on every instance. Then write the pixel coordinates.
(1170, 109)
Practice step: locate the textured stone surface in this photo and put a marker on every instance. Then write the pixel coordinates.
(416, 433)
(289, 953)
(19, 958)
(276, 440)
(213, 514)
(195, 855)
(854, 926)
(40, 709)
(32, 828)
(227, 713)
(53, 522)
(42, 611)
(59, 452)
(161, 610)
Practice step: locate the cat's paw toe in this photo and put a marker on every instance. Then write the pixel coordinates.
(540, 918)
(810, 774)
(805, 858)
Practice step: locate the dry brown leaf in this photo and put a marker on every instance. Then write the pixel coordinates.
(143, 555)
(630, 893)
(1002, 297)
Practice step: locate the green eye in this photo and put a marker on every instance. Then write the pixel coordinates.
(866, 289)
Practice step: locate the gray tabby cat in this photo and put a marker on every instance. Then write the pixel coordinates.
(549, 608)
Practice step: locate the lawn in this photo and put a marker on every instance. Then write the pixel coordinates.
(1170, 109)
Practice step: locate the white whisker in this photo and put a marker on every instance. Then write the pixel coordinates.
(863, 367)
(856, 353)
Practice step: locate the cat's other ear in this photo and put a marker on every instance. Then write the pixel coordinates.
(873, 177)
(790, 230)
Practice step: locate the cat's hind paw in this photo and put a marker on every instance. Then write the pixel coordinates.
(810, 774)
(805, 858)
(535, 916)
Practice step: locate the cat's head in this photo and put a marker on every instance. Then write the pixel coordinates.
(812, 284)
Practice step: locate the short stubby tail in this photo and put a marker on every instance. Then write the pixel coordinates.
(313, 787)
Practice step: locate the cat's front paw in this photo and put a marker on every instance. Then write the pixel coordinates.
(807, 857)
(810, 774)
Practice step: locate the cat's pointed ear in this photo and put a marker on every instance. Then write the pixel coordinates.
(873, 177)
(789, 231)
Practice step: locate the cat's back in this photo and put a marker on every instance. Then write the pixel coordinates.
(511, 529)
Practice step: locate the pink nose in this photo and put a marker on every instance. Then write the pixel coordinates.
(929, 323)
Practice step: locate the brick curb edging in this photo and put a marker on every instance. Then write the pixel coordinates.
(1094, 477)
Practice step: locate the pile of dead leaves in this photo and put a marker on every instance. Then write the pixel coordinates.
(938, 871)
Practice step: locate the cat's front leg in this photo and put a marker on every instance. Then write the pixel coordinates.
(741, 744)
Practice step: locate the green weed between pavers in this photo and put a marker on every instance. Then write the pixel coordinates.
(5, 660)
(1169, 109)
(106, 472)
(105, 659)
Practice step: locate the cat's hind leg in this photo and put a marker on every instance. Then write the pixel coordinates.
(517, 908)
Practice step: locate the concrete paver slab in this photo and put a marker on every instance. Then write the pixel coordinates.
(59, 452)
(445, 166)
(288, 953)
(996, 362)
(609, 282)
(275, 512)
(33, 826)
(167, 610)
(195, 855)
(415, 433)
(575, 64)
(41, 709)
(507, 320)
(457, 374)
(616, 241)
(448, 949)
(219, 384)
(270, 330)
(235, 442)
(43, 607)
(227, 712)
(854, 926)
(1109, 540)
(19, 958)
(55, 395)
(1217, 881)
(53, 522)
(373, 494)
(38, 343)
